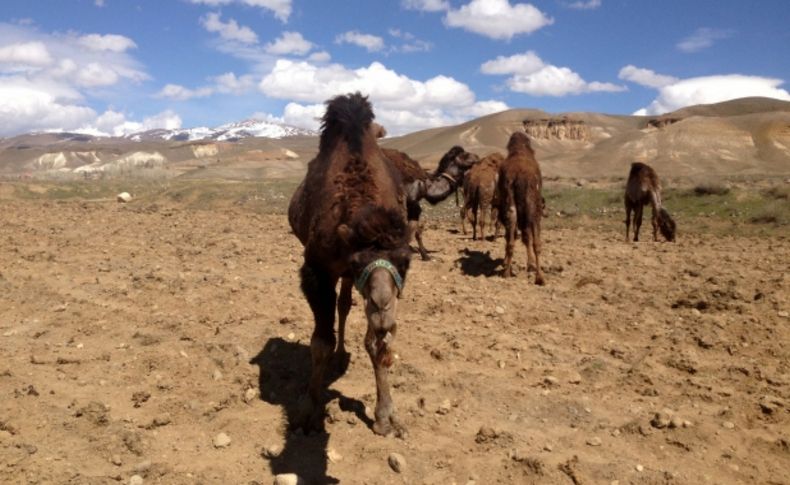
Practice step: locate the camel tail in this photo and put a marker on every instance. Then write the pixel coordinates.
(521, 190)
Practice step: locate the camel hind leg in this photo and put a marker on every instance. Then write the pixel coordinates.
(628, 209)
(342, 357)
(637, 221)
(510, 240)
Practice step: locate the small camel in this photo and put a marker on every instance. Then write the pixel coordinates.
(642, 188)
(435, 187)
(481, 194)
(521, 204)
(349, 213)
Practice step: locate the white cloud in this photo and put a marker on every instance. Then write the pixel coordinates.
(28, 54)
(289, 43)
(115, 124)
(409, 42)
(319, 57)
(229, 30)
(497, 19)
(95, 74)
(585, 4)
(109, 42)
(280, 8)
(370, 42)
(180, 93)
(401, 104)
(25, 107)
(530, 75)
(426, 5)
(645, 77)
(701, 39)
(526, 63)
(229, 83)
(98, 3)
(713, 89)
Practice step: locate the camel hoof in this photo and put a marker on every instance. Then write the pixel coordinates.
(540, 281)
(309, 417)
(388, 426)
(425, 257)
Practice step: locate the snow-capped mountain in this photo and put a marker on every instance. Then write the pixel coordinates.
(228, 132)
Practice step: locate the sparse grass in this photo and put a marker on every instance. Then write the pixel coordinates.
(710, 189)
(736, 211)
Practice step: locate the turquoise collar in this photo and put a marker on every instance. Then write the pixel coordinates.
(379, 263)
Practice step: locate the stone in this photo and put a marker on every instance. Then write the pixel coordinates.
(333, 455)
(217, 375)
(397, 462)
(551, 380)
(123, 197)
(499, 310)
(116, 460)
(272, 451)
(728, 425)
(288, 479)
(444, 407)
(250, 395)
(222, 440)
(136, 480)
(661, 420)
(594, 441)
(640, 468)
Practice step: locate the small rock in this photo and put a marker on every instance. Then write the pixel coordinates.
(575, 378)
(499, 310)
(250, 395)
(639, 468)
(551, 380)
(142, 467)
(594, 441)
(333, 455)
(217, 375)
(770, 404)
(783, 314)
(396, 462)
(501, 364)
(728, 425)
(221, 441)
(291, 336)
(124, 197)
(661, 420)
(675, 422)
(444, 407)
(687, 423)
(288, 479)
(272, 451)
(136, 480)
(116, 460)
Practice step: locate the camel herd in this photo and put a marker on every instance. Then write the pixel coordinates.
(358, 208)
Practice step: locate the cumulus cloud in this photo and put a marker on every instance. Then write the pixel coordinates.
(46, 80)
(408, 42)
(371, 43)
(109, 42)
(701, 39)
(25, 54)
(426, 5)
(497, 19)
(229, 83)
(180, 93)
(281, 8)
(713, 89)
(98, 3)
(585, 5)
(289, 43)
(230, 30)
(402, 104)
(530, 75)
(319, 57)
(645, 77)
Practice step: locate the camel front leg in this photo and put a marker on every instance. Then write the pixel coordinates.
(420, 245)
(637, 221)
(654, 222)
(537, 247)
(380, 351)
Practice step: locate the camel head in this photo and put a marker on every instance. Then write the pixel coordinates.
(666, 225)
(456, 162)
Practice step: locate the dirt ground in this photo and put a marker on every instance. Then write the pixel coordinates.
(132, 336)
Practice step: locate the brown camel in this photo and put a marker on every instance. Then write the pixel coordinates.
(481, 194)
(349, 213)
(434, 187)
(521, 203)
(642, 188)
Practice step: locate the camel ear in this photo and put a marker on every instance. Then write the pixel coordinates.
(345, 233)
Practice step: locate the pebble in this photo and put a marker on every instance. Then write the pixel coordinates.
(594, 441)
(501, 364)
(272, 451)
(661, 420)
(221, 441)
(551, 380)
(500, 310)
(136, 480)
(288, 479)
(783, 314)
(333, 455)
(116, 460)
(728, 425)
(640, 468)
(397, 462)
(575, 378)
(291, 336)
(217, 375)
(444, 407)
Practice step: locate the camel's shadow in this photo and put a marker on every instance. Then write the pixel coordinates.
(284, 373)
(478, 263)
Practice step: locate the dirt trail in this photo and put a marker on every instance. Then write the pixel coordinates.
(131, 336)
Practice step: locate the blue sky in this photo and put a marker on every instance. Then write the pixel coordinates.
(118, 66)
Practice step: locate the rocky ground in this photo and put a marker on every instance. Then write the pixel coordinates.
(146, 343)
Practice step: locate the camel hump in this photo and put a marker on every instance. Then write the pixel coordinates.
(348, 116)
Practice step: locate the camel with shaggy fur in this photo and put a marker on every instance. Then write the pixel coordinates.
(642, 188)
(349, 213)
(435, 187)
(521, 203)
(481, 195)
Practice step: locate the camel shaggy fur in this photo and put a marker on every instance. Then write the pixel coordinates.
(434, 187)
(349, 213)
(642, 188)
(481, 195)
(521, 203)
